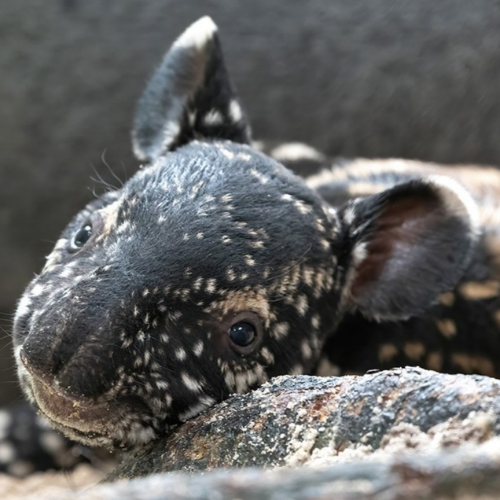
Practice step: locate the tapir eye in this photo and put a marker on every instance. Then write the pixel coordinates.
(92, 226)
(81, 236)
(245, 332)
(242, 334)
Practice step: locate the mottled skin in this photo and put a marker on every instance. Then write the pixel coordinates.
(460, 333)
(129, 332)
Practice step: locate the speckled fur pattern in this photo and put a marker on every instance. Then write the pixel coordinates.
(127, 334)
(457, 334)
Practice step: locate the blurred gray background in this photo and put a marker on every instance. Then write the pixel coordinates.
(372, 78)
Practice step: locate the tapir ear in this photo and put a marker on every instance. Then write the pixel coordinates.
(189, 96)
(408, 245)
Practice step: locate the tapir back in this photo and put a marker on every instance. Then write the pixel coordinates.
(461, 332)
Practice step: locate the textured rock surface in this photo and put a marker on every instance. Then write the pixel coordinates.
(405, 433)
(467, 474)
(308, 420)
(379, 78)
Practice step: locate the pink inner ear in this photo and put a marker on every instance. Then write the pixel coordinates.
(396, 232)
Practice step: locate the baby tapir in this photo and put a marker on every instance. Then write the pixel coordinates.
(215, 268)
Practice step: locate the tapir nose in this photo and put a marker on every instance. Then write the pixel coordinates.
(48, 353)
(77, 366)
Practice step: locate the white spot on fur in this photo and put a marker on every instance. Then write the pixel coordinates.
(66, 272)
(301, 305)
(249, 260)
(280, 330)
(324, 243)
(256, 244)
(228, 154)
(205, 402)
(197, 283)
(125, 226)
(263, 179)
(235, 111)
(359, 253)
(315, 321)
(246, 379)
(162, 385)
(210, 286)
(180, 354)
(190, 382)
(213, 117)
(306, 350)
(126, 343)
(267, 355)
(244, 156)
(302, 207)
(349, 215)
(294, 151)
(198, 348)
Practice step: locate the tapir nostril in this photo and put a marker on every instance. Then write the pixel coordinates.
(45, 358)
(73, 381)
(35, 368)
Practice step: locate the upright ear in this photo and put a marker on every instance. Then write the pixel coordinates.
(408, 244)
(189, 96)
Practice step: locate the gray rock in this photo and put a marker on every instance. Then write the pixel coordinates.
(399, 434)
(466, 474)
(310, 420)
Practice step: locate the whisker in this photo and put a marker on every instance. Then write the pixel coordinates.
(109, 187)
(103, 159)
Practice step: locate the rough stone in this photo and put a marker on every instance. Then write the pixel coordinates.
(399, 434)
(314, 420)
